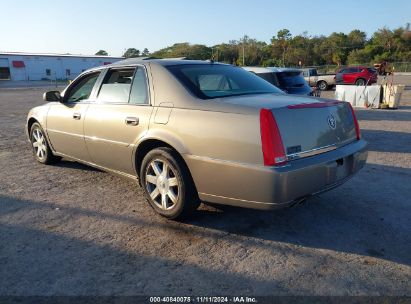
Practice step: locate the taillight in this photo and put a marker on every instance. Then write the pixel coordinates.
(357, 127)
(272, 145)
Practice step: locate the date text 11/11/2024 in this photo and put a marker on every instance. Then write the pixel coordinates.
(203, 299)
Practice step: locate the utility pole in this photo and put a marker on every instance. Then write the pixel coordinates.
(243, 53)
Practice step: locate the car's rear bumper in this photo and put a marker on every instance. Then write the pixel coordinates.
(275, 187)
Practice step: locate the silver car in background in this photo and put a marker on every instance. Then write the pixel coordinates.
(193, 131)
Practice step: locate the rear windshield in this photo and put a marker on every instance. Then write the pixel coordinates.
(290, 79)
(208, 81)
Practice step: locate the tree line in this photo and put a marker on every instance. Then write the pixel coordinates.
(285, 49)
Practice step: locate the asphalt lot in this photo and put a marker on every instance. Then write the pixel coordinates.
(69, 229)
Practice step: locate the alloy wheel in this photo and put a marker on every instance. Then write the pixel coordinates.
(323, 86)
(39, 144)
(162, 184)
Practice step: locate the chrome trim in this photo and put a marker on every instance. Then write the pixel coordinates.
(91, 138)
(319, 150)
(94, 138)
(65, 133)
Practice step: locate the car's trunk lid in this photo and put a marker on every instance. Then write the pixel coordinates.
(313, 128)
(304, 122)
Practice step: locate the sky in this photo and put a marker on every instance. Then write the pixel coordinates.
(84, 27)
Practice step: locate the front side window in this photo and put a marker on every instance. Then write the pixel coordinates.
(116, 86)
(82, 89)
(208, 81)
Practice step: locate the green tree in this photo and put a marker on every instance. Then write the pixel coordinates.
(184, 49)
(131, 53)
(145, 52)
(288, 50)
(356, 39)
(102, 53)
(282, 41)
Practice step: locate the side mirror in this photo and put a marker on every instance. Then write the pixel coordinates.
(52, 96)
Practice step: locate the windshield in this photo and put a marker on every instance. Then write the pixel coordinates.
(208, 81)
(292, 79)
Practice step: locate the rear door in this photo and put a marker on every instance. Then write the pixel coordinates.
(351, 76)
(65, 120)
(119, 118)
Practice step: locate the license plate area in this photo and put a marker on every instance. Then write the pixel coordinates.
(339, 169)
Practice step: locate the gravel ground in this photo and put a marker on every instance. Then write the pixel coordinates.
(69, 229)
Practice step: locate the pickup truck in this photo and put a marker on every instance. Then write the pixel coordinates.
(321, 81)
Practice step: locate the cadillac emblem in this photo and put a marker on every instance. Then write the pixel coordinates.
(331, 121)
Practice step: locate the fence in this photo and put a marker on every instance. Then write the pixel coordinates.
(22, 79)
(331, 69)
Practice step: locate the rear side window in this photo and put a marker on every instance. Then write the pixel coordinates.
(208, 81)
(313, 72)
(116, 86)
(139, 92)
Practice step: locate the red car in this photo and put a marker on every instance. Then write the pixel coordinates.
(359, 75)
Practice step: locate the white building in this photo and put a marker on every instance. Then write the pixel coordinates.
(32, 66)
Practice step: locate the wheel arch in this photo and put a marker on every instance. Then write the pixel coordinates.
(30, 123)
(149, 144)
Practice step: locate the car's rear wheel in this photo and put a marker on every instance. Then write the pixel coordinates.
(40, 145)
(322, 85)
(360, 82)
(168, 185)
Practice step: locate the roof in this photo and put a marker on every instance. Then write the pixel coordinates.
(163, 62)
(269, 69)
(56, 55)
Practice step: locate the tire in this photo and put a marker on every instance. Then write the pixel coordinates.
(360, 82)
(322, 85)
(40, 146)
(167, 184)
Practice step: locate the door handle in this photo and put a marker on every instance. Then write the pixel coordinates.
(132, 121)
(77, 115)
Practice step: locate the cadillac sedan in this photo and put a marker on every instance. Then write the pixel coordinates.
(192, 131)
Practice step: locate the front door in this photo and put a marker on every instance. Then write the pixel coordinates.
(65, 120)
(118, 119)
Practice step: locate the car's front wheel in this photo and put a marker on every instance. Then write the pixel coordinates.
(40, 146)
(168, 185)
